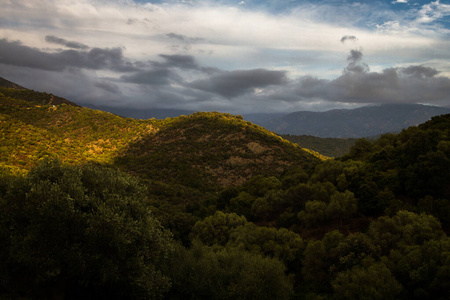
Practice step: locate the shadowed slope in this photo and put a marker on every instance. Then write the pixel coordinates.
(204, 150)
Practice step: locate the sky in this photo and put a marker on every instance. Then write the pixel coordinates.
(239, 57)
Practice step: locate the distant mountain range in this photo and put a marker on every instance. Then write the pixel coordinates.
(366, 121)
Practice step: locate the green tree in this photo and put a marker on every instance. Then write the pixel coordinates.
(216, 229)
(342, 206)
(242, 204)
(370, 281)
(280, 243)
(80, 231)
(259, 185)
(404, 229)
(314, 214)
(423, 269)
(204, 273)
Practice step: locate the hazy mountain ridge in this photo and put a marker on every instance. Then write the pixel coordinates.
(353, 123)
(366, 121)
(331, 147)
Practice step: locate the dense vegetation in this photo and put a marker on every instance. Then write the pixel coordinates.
(331, 147)
(166, 214)
(205, 150)
(31, 130)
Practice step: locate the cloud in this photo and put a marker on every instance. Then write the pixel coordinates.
(159, 76)
(348, 38)
(234, 83)
(178, 61)
(354, 62)
(412, 84)
(183, 38)
(14, 53)
(269, 55)
(433, 11)
(165, 72)
(68, 44)
(183, 42)
(399, 1)
(109, 87)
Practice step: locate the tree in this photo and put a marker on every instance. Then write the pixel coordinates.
(259, 185)
(280, 243)
(404, 229)
(216, 229)
(314, 214)
(223, 273)
(80, 231)
(373, 281)
(342, 206)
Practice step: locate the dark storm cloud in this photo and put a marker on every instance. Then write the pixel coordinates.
(162, 73)
(413, 84)
(159, 76)
(178, 61)
(354, 62)
(234, 83)
(165, 72)
(13, 53)
(109, 87)
(68, 44)
(419, 71)
(348, 38)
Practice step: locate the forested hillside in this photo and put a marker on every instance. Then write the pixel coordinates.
(209, 206)
(331, 147)
(205, 150)
(35, 125)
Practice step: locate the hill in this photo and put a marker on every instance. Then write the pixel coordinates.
(8, 84)
(31, 128)
(204, 147)
(353, 123)
(209, 149)
(331, 147)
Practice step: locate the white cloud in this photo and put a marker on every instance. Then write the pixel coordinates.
(399, 1)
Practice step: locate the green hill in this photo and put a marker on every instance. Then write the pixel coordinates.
(8, 84)
(31, 129)
(209, 149)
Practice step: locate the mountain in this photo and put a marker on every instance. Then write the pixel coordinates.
(14, 91)
(331, 147)
(8, 84)
(353, 123)
(209, 148)
(32, 130)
